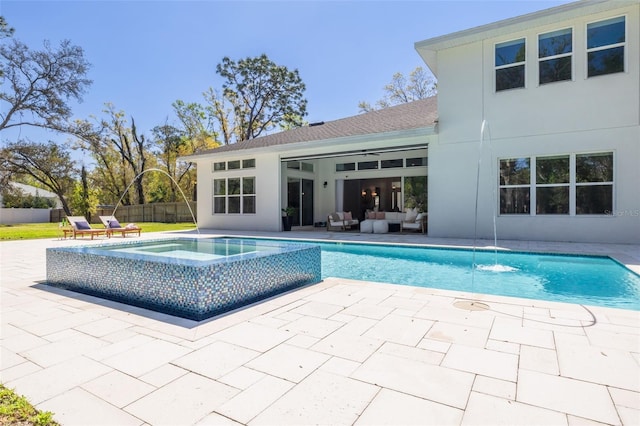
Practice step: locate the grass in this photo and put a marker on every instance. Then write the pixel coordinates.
(30, 231)
(16, 410)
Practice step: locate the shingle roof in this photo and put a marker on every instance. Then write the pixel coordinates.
(407, 116)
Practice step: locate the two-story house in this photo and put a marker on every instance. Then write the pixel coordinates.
(558, 91)
(536, 127)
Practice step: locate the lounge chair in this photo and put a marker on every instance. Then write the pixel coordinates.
(112, 226)
(417, 224)
(81, 227)
(341, 220)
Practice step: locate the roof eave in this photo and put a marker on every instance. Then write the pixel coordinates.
(333, 143)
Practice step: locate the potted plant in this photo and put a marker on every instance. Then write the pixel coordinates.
(287, 217)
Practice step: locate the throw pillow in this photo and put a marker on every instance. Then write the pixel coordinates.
(379, 215)
(371, 215)
(347, 216)
(411, 215)
(340, 215)
(82, 225)
(333, 217)
(113, 223)
(419, 217)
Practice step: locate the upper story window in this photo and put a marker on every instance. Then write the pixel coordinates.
(509, 63)
(605, 46)
(555, 50)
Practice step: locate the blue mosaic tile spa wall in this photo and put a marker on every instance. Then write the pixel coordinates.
(193, 290)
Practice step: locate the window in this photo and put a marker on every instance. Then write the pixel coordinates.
(552, 185)
(232, 165)
(554, 54)
(515, 177)
(220, 166)
(345, 167)
(509, 63)
(605, 46)
(594, 183)
(389, 164)
(249, 164)
(576, 184)
(219, 196)
(416, 162)
(248, 195)
(367, 165)
(234, 195)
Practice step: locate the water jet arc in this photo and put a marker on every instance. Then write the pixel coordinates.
(174, 182)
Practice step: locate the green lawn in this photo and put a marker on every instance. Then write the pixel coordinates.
(16, 410)
(30, 231)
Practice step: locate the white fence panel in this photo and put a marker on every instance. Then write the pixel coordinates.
(9, 216)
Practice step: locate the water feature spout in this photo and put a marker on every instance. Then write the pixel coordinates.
(174, 182)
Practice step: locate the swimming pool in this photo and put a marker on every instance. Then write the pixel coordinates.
(194, 278)
(588, 280)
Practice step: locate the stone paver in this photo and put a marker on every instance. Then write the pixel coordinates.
(341, 352)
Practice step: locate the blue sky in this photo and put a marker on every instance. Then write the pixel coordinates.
(147, 54)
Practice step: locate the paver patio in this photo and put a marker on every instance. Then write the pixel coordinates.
(340, 352)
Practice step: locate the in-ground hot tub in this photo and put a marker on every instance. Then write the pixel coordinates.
(194, 278)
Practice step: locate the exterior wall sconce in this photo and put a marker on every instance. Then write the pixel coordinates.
(325, 184)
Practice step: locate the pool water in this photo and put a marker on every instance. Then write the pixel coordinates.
(588, 280)
(192, 249)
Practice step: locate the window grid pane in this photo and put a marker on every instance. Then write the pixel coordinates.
(555, 43)
(249, 204)
(594, 168)
(248, 185)
(514, 200)
(557, 69)
(510, 78)
(608, 61)
(594, 199)
(605, 33)
(552, 200)
(234, 186)
(552, 170)
(234, 204)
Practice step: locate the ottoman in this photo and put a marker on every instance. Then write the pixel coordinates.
(366, 226)
(380, 227)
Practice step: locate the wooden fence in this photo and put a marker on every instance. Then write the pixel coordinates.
(156, 212)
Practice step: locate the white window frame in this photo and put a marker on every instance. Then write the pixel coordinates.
(606, 47)
(573, 184)
(562, 55)
(227, 196)
(511, 65)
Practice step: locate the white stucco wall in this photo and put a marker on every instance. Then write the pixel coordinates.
(267, 174)
(579, 116)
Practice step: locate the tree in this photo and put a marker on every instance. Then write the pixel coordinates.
(262, 96)
(420, 85)
(5, 29)
(84, 200)
(122, 154)
(48, 164)
(39, 83)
